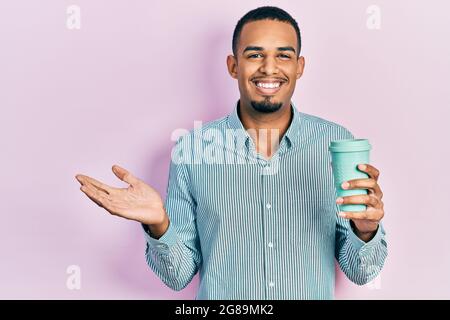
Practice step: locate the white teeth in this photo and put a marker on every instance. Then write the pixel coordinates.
(270, 85)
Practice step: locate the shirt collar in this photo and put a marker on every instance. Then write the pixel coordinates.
(292, 134)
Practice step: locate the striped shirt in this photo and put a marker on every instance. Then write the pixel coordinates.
(257, 228)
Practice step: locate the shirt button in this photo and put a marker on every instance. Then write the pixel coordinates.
(268, 206)
(170, 267)
(271, 284)
(270, 244)
(161, 246)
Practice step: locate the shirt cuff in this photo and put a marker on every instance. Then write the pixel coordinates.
(362, 246)
(165, 242)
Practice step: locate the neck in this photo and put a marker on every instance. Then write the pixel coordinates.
(266, 129)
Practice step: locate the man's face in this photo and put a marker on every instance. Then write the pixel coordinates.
(266, 65)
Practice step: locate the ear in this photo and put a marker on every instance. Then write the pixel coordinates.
(300, 66)
(232, 66)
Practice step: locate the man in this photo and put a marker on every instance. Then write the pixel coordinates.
(265, 225)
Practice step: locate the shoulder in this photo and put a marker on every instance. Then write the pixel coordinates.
(327, 127)
(210, 131)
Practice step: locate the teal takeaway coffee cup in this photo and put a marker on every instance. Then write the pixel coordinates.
(345, 157)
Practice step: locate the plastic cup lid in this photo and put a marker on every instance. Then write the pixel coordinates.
(350, 145)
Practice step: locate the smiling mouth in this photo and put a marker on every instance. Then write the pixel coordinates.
(268, 86)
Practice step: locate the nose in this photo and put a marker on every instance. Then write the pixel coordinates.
(269, 66)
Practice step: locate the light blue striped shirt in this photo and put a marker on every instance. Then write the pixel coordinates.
(256, 228)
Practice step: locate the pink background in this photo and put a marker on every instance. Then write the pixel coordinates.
(78, 101)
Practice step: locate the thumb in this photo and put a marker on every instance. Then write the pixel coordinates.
(124, 175)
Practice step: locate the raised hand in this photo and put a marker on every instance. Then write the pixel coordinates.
(138, 201)
(366, 222)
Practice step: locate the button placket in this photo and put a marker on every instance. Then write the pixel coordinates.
(268, 222)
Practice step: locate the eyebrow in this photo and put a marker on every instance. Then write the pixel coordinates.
(254, 48)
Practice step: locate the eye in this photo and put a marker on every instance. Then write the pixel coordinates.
(285, 56)
(255, 55)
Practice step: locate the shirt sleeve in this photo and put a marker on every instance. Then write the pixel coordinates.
(360, 261)
(176, 256)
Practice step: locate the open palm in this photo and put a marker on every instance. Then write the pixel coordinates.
(138, 201)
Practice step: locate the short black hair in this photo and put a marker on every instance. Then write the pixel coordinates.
(265, 13)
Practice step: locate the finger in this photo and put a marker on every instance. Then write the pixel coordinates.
(373, 172)
(79, 179)
(360, 215)
(97, 184)
(369, 184)
(368, 200)
(125, 175)
(100, 199)
(97, 196)
(90, 192)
